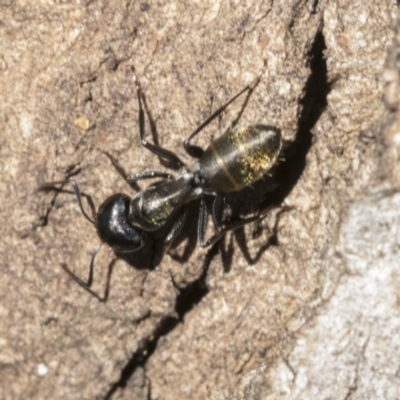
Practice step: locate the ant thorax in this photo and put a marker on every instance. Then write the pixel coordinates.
(154, 206)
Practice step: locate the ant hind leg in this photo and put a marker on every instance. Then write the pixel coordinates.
(196, 151)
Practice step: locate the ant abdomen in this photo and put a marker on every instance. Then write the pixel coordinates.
(240, 157)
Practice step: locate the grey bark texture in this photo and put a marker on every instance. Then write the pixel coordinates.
(309, 308)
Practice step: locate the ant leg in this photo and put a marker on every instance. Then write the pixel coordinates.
(233, 226)
(118, 167)
(133, 178)
(201, 225)
(175, 230)
(216, 214)
(157, 150)
(149, 174)
(88, 284)
(196, 151)
(52, 186)
(217, 210)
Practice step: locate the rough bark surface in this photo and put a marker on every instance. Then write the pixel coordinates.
(307, 309)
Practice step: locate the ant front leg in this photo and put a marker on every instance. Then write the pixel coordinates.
(157, 150)
(149, 174)
(133, 178)
(202, 223)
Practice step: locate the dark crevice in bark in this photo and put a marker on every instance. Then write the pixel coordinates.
(313, 104)
(187, 298)
(140, 358)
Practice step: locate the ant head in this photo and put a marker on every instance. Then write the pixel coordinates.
(114, 228)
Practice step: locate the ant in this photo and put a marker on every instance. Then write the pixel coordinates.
(235, 160)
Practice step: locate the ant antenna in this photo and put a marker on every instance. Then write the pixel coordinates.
(53, 186)
(90, 277)
(81, 282)
(88, 284)
(79, 198)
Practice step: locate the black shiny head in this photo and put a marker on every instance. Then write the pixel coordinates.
(114, 228)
